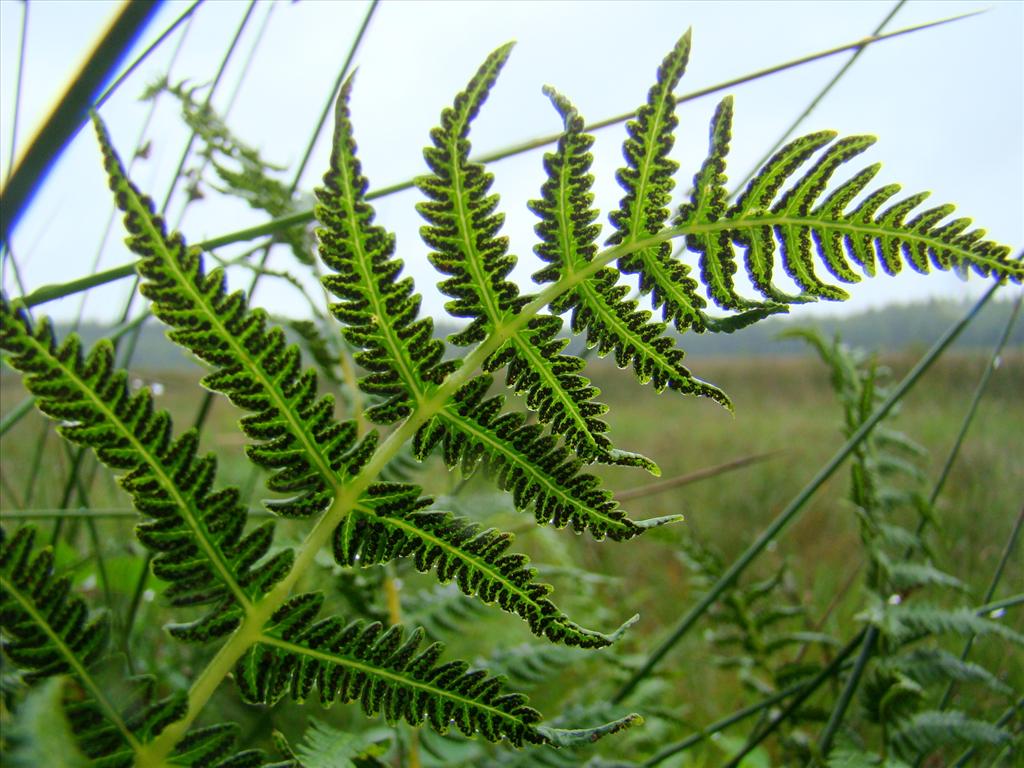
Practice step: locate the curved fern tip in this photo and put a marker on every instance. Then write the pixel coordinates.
(628, 624)
(657, 522)
(579, 737)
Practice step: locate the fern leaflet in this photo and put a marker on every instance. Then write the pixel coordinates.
(463, 230)
(195, 529)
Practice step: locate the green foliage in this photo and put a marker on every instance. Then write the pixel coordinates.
(334, 480)
(326, 747)
(908, 665)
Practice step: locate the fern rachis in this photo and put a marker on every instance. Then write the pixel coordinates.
(272, 638)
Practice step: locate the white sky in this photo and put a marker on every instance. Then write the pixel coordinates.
(946, 103)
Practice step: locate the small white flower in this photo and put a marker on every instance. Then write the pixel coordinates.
(895, 600)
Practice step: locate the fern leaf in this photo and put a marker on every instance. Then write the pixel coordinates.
(648, 183)
(379, 311)
(461, 551)
(568, 244)
(530, 665)
(39, 733)
(463, 231)
(927, 731)
(195, 529)
(930, 666)
(388, 672)
(442, 610)
(527, 462)
(294, 432)
(905, 623)
(800, 225)
(326, 747)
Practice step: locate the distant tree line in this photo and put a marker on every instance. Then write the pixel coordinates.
(891, 328)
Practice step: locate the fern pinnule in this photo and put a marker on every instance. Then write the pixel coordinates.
(598, 303)
(528, 462)
(648, 181)
(196, 530)
(390, 674)
(463, 231)
(379, 312)
(295, 433)
(801, 224)
(475, 558)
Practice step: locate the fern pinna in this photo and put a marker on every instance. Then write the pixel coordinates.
(238, 591)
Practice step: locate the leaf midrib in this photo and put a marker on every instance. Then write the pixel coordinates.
(387, 674)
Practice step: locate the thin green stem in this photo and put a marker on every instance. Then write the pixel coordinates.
(1005, 718)
(693, 477)
(206, 102)
(37, 461)
(720, 725)
(141, 134)
(18, 79)
(825, 674)
(16, 414)
(867, 648)
(819, 97)
(1000, 605)
(260, 269)
(797, 504)
(146, 54)
(972, 409)
(70, 113)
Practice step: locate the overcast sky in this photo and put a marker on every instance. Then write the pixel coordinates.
(946, 103)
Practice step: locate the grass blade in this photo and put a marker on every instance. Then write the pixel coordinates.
(70, 114)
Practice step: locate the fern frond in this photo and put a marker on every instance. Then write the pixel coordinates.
(526, 461)
(930, 666)
(477, 559)
(388, 672)
(530, 665)
(927, 731)
(196, 530)
(441, 610)
(568, 244)
(324, 746)
(38, 732)
(246, 174)
(463, 231)
(295, 433)
(905, 623)
(47, 629)
(800, 225)
(379, 312)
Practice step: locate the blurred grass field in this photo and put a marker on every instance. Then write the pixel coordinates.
(782, 405)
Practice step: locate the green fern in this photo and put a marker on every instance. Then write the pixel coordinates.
(896, 689)
(268, 632)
